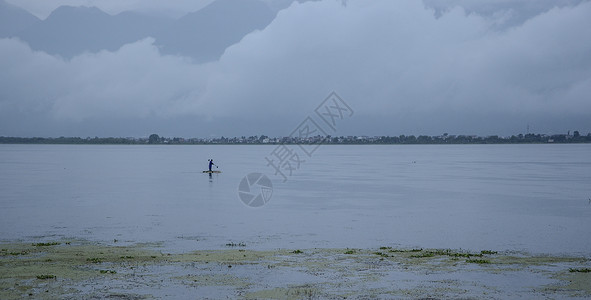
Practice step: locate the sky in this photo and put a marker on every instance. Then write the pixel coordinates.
(404, 67)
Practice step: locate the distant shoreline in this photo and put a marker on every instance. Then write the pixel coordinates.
(445, 139)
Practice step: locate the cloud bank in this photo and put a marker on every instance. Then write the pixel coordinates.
(175, 8)
(400, 65)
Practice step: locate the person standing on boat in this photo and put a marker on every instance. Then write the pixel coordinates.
(210, 164)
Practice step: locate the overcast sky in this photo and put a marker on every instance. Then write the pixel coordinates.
(404, 67)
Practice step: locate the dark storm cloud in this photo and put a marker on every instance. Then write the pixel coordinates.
(399, 64)
(174, 8)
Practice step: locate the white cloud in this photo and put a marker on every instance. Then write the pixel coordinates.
(133, 82)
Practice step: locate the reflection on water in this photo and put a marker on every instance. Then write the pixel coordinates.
(517, 197)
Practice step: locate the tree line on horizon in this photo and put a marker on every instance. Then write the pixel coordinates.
(155, 139)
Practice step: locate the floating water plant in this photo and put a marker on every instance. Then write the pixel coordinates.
(303, 292)
(451, 253)
(71, 271)
(421, 255)
(405, 250)
(442, 252)
(467, 255)
(582, 270)
(381, 254)
(46, 244)
(478, 261)
(488, 252)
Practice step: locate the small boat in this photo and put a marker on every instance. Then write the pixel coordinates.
(210, 172)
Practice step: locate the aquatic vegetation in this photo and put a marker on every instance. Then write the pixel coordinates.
(582, 270)
(422, 255)
(468, 255)
(441, 252)
(381, 254)
(292, 292)
(447, 252)
(59, 272)
(385, 248)
(478, 261)
(405, 250)
(303, 292)
(488, 252)
(95, 260)
(452, 253)
(46, 244)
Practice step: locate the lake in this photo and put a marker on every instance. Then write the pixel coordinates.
(532, 198)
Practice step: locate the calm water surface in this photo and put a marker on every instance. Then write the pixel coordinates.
(501, 197)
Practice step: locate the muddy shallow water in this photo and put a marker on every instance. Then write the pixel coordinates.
(74, 269)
